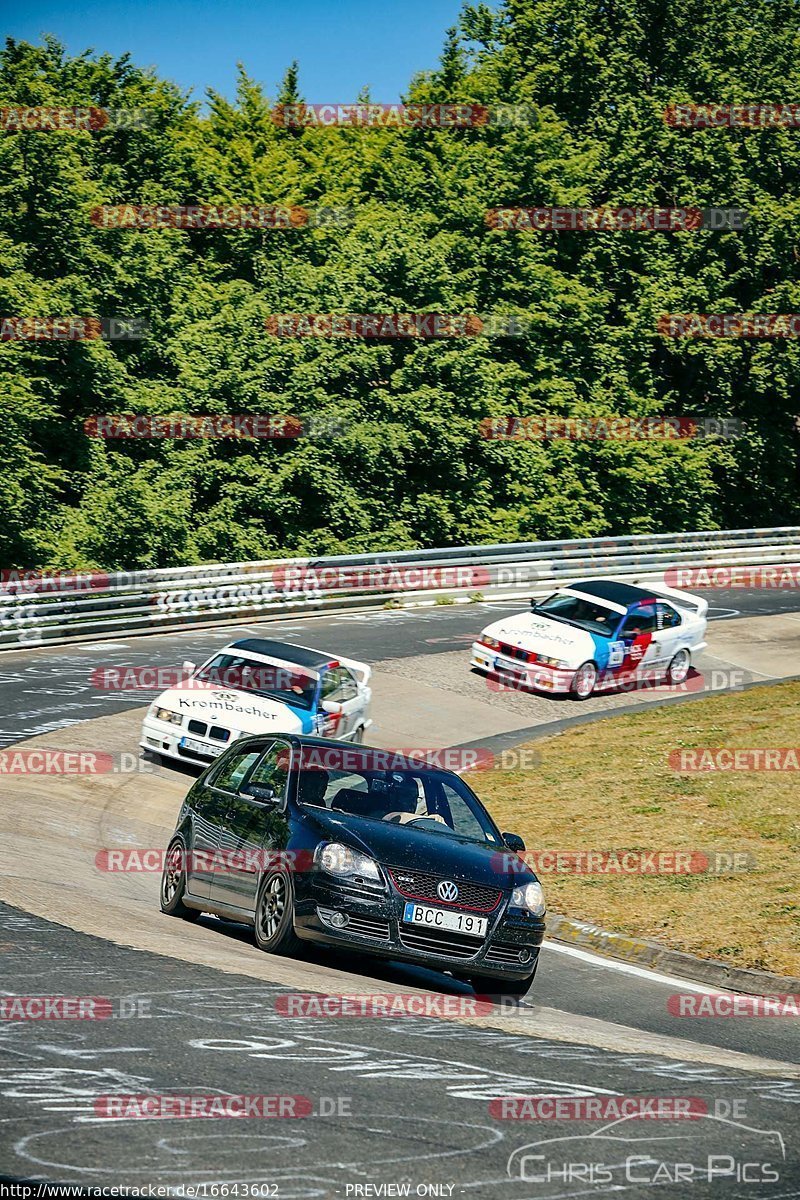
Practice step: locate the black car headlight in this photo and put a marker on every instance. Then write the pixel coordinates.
(530, 897)
(340, 860)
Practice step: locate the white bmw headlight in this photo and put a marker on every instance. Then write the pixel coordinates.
(337, 859)
(529, 897)
(558, 663)
(166, 714)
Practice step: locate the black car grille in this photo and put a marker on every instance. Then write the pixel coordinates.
(217, 733)
(421, 885)
(502, 952)
(372, 927)
(441, 942)
(513, 652)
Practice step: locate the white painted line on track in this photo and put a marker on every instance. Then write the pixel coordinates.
(613, 964)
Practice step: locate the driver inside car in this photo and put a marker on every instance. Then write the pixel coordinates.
(403, 803)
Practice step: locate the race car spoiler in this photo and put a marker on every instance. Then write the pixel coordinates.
(695, 603)
(359, 669)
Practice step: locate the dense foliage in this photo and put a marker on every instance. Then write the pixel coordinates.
(410, 466)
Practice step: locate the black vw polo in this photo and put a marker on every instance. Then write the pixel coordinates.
(308, 839)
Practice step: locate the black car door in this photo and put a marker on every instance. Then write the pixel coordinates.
(254, 826)
(211, 807)
(207, 817)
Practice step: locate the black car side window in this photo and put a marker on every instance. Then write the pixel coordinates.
(230, 773)
(273, 769)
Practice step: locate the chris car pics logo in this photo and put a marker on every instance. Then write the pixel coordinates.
(709, 1150)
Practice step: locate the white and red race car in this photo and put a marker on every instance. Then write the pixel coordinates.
(596, 634)
(258, 686)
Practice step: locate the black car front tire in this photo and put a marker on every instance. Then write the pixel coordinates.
(489, 985)
(274, 915)
(173, 883)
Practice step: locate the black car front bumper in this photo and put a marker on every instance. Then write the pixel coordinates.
(375, 925)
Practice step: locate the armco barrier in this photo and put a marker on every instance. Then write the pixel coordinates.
(144, 602)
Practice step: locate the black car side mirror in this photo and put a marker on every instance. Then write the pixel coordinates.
(513, 841)
(260, 793)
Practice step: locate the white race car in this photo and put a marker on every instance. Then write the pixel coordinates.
(258, 686)
(599, 633)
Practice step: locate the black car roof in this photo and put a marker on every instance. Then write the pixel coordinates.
(301, 655)
(611, 589)
(350, 748)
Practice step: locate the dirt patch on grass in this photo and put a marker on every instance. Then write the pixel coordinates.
(609, 786)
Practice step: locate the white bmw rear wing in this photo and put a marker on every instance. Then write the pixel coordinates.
(359, 669)
(695, 604)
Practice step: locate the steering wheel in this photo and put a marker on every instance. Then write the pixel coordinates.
(405, 818)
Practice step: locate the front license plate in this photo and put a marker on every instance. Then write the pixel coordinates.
(200, 747)
(509, 668)
(438, 918)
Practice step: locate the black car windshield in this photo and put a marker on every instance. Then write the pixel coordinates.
(583, 613)
(284, 682)
(427, 801)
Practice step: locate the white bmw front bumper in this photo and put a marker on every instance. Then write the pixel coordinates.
(528, 675)
(174, 741)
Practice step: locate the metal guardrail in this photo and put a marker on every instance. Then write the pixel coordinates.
(60, 608)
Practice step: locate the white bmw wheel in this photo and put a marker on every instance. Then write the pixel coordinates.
(678, 668)
(583, 681)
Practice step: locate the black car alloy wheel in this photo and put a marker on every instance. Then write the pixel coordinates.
(274, 918)
(173, 882)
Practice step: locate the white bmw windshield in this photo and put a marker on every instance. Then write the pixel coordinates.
(585, 614)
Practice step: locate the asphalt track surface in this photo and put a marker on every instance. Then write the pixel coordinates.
(410, 1096)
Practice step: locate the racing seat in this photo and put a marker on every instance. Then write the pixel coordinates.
(358, 804)
(312, 787)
